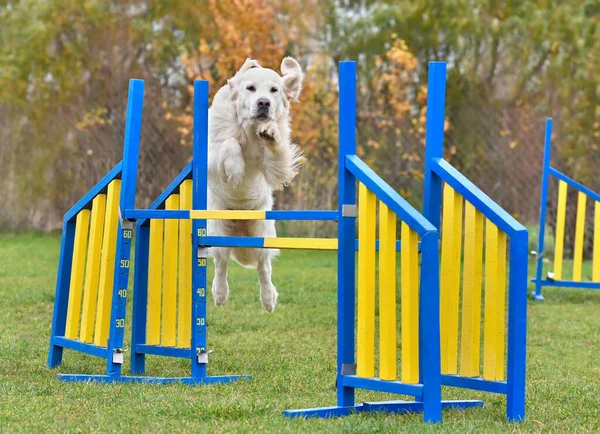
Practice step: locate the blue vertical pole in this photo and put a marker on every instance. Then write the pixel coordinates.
(346, 229)
(429, 330)
(434, 140)
(140, 296)
(517, 327)
(133, 128)
(61, 299)
(543, 205)
(199, 202)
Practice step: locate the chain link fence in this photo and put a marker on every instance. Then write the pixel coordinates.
(499, 149)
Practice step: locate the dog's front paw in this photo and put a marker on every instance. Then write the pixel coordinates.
(233, 170)
(269, 132)
(268, 298)
(220, 291)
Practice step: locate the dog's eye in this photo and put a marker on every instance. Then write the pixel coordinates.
(274, 89)
(251, 88)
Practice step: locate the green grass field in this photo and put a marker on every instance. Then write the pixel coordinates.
(290, 355)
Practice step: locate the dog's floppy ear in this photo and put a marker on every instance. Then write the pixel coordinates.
(248, 64)
(292, 78)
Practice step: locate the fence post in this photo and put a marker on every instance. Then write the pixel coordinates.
(434, 140)
(429, 331)
(543, 206)
(346, 230)
(61, 299)
(199, 352)
(133, 129)
(517, 326)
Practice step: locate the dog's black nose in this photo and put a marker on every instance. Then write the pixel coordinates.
(263, 103)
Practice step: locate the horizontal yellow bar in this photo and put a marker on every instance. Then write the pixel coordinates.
(302, 243)
(228, 215)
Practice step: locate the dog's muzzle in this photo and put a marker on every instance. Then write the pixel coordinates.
(262, 108)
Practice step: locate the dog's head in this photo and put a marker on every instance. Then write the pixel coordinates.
(260, 94)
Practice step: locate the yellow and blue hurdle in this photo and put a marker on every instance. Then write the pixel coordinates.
(432, 349)
(556, 278)
(93, 270)
(168, 320)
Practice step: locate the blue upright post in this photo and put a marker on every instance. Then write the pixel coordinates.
(543, 205)
(434, 141)
(429, 336)
(200, 254)
(61, 299)
(140, 296)
(517, 326)
(429, 357)
(133, 128)
(346, 231)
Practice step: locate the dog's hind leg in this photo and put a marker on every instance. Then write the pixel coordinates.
(220, 286)
(268, 292)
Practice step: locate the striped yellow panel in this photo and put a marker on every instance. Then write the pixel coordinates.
(596, 258)
(82, 226)
(387, 293)
(410, 305)
(450, 278)
(155, 266)
(228, 215)
(470, 341)
(107, 264)
(92, 269)
(365, 339)
(579, 237)
(500, 306)
(169, 300)
(492, 289)
(301, 243)
(561, 213)
(184, 311)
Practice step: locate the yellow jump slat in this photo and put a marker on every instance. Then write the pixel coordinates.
(169, 301)
(92, 269)
(387, 293)
(489, 321)
(561, 213)
(471, 301)
(228, 215)
(579, 237)
(501, 306)
(301, 243)
(107, 264)
(155, 265)
(450, 278)
(596, 258)
(410, 305)
(365, 340)
(184, 312)
(82, 226)
(495, 302)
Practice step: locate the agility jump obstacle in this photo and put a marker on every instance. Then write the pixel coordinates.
(557, 278)
(169, 309)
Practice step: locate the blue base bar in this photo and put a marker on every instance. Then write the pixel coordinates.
(157, 350)
(475, 384)
(82, 347)
(568, 284)
(378, 385)
(190, 381)
(399, 407)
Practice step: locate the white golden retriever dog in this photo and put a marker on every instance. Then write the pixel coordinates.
(249, 156)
